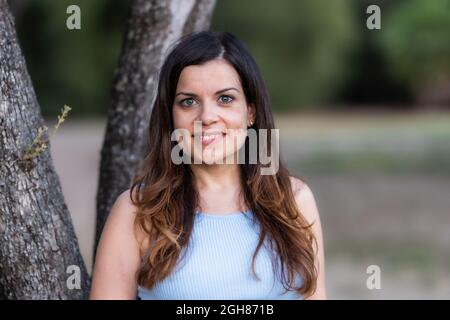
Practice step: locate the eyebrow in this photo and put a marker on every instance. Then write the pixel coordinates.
(194, 95)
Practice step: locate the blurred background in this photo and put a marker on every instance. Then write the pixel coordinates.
(364, 117)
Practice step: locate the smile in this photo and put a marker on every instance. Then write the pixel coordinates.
(207, 139)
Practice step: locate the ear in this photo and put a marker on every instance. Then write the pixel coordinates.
(251, 113)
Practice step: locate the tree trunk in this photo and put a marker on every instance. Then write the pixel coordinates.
(37, 239)
(152, 27)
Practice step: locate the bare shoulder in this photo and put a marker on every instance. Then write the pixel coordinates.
(297, 184)
(305, 199)
(123, 211)
(117, 258)
(126, 211)
(119, 226)
(306, 203)
(124, 200)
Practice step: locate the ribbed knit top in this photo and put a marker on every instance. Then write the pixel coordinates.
(217, 265)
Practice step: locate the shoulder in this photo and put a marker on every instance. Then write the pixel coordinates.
(124, 201)
(125, 204)
(118, 257)
(304, 197)
(123, 208)
(306, 203)
(301, 190)
(127, 207)
(120, 222)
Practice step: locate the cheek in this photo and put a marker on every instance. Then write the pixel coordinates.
(180, 119)
(236, 119)
(235, 139)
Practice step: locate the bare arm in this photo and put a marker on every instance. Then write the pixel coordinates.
(307, 205)
(118, 257)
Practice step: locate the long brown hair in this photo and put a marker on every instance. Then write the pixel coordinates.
(166, 196)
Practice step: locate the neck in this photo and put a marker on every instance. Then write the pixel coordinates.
(216, 177)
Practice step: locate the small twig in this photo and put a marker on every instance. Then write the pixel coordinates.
(38, 145)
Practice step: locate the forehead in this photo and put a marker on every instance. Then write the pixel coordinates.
(209, 77)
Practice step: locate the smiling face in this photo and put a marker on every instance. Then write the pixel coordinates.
(211, 93)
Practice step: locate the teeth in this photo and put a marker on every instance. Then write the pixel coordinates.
(211, 134)
(209, 137)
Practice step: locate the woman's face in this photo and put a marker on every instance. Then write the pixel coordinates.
(210, 106)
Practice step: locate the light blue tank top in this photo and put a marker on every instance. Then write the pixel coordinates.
(217, 265)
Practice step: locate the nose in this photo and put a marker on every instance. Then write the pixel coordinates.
(208, 113)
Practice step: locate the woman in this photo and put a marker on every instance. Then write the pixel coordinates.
(211, 227)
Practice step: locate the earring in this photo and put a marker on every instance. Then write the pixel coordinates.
(251, 123)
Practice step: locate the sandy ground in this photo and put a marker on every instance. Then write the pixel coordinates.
(398, 222)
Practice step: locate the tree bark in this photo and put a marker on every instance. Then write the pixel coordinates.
(153, 25)
(37, 239)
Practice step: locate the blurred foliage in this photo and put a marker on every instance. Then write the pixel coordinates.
(311, 53)
(416, 42)
(369, 81)
(302, 47)
(72, 67)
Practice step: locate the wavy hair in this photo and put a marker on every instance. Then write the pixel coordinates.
(165, 194)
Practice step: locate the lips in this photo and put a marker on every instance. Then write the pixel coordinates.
(209, 137)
